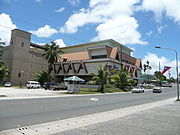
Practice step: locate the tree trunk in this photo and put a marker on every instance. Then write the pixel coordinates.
(102, 88)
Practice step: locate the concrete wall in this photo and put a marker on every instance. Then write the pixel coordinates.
(22, 60)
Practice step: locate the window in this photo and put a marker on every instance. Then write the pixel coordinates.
(19, 75)
(99, 56)
(22, 44)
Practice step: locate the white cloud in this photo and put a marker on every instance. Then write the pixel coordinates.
(60, 42)
(74, 2)
(149, 33)
(45, 31)
(114, 29)
(160, 28)
(38, 0)
(114, 19)
(171, 8)
(39, 43)
(6, 25)
(60, 10)
(154, 63)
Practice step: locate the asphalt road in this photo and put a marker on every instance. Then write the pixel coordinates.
(24, 112)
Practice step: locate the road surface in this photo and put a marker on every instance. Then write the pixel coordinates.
(25, 112)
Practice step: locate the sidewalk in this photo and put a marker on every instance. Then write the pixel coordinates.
(164, 120)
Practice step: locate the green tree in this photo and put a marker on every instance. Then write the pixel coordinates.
(120, 79)
(52, 55)
(160, 76)
(171, 80)
(101, 77)
(4, 72)
(1, 47)
(42, 76)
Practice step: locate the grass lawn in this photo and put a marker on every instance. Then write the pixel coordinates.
(95, 91)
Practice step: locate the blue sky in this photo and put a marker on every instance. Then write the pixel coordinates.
(138, 24)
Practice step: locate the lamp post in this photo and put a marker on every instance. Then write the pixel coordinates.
(176, 67)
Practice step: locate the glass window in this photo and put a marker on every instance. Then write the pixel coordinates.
(99, 56)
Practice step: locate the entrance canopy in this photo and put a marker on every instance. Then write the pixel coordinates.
(74, 79)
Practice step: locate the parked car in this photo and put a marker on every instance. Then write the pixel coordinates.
(7, 84)
(157, 90)
(167, 84)
(47, 85)
(33, 85)
(54, 86)
(138, 90)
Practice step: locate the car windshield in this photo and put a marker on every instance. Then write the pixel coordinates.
(7, 83)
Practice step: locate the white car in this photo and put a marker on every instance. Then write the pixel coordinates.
(7, 84)
(33, 85)
(157, 90)
(138, 90)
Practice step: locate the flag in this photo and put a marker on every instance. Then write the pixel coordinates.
(166, 68)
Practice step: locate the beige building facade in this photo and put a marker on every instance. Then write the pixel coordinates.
(83, 59)
(25, 59)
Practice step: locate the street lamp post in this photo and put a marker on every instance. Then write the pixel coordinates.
(176, 68)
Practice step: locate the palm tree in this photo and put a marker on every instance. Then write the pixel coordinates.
(101, 77)
(147, 66)
(1, 48)
(52, 55)
(120, 79)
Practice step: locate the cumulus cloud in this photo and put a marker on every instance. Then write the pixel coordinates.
(113, 18)
(60, 10)
(171, 8)
(45, 31)
(114, 29)
(60, 42)
(6, 25)
(154, 63)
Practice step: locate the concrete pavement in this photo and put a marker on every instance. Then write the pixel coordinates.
(17, 93)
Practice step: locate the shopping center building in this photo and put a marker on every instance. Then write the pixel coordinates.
(24, 59)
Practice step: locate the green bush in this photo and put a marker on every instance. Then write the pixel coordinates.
(109, 85)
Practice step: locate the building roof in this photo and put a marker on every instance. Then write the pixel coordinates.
(76, 56)
(87, 44)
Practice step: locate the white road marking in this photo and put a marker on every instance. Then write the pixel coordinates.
(94, 99)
